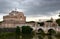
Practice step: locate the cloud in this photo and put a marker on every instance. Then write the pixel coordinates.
(44, 8)
(31, 7)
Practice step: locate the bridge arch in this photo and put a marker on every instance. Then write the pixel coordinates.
(51, 31)
(41, 31)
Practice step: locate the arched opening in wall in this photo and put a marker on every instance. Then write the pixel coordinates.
(41, 31)
(51, 32)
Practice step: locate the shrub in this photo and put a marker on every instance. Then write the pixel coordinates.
(18, 30)
(58, 21)
(26, 29)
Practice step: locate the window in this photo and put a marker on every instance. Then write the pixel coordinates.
(20, 16)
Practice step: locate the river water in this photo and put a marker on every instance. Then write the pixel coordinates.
(38, 37)
(31, 37)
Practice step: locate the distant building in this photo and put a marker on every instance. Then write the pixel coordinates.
(50, 23)
(14, 19)
(15, 16)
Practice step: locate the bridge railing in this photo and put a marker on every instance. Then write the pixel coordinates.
(56, 28)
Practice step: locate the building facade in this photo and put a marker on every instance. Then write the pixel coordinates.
(14, 19)
(50, 23)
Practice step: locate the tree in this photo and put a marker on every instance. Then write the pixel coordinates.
(58, 21)
(18, 30)
(26, 29)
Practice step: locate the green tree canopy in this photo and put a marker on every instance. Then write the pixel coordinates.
(26, 29)
(58, 21)
(18, 30)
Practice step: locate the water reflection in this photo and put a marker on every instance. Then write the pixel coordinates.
(17, 37)
(27, 36)
(24, 36)
(50, 37)
(38, 37)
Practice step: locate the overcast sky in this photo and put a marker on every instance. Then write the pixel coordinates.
(32, 8)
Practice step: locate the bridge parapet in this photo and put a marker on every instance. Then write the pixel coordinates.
(57, 28)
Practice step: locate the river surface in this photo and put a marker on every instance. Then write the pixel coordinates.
(31, 37)
(38, 37)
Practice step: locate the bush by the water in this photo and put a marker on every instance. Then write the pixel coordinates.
(26, 29)
(17, 30)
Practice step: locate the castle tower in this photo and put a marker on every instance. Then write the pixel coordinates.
(15, 16)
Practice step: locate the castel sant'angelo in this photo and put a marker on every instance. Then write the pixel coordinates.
(15, 18)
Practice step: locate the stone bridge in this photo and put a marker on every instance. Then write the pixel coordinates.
(45, 29)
